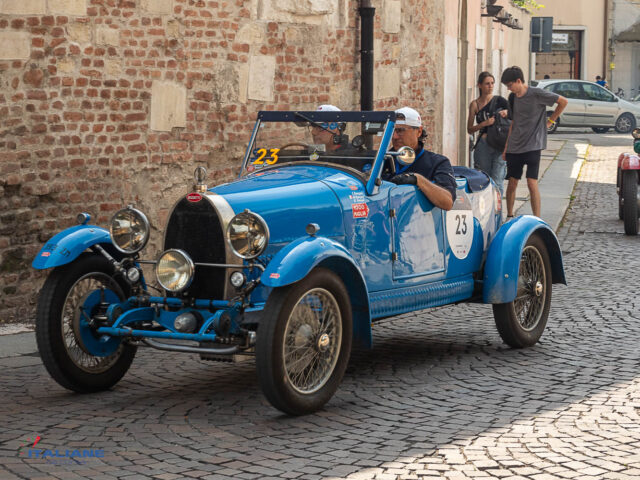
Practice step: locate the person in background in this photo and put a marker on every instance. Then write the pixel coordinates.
(546, 76)
(482, 111)
(430, 172)
(601, 81)
(527, 134)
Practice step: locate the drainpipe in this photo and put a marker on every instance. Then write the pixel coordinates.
(367, 15)
(605, 52)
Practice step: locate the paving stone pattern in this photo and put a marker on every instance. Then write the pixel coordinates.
(440, 396)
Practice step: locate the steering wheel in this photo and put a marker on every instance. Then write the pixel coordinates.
(296, 144)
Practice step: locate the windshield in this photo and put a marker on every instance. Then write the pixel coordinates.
(333, 139)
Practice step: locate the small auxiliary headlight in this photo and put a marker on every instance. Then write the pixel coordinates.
(247, 235)
(175, 270)
(237, 279)
(133, 275)
(129, 230)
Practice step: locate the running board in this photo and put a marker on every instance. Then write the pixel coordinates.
(387, 303)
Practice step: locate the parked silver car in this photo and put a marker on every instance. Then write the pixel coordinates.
(591, 105)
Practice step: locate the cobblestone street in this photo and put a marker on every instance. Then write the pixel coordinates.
(439, 396)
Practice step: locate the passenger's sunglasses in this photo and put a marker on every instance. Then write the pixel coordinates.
(402, 130)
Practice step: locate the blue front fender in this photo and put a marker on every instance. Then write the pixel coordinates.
(67, 245)
(503, 259)
(292, 263)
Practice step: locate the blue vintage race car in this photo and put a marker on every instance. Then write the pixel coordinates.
(291, 264)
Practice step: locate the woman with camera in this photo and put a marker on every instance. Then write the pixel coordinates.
(482, 112)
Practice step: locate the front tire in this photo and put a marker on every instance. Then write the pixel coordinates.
(304, 342)
(625, 123)
(630, 201)
(600, 129)
(521, 322)
(71, 352)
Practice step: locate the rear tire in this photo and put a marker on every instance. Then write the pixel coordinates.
(630, 201)
(521, 322)
(64, 338)
(304, 342)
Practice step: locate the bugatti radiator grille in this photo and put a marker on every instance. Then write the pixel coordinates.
(195, 227)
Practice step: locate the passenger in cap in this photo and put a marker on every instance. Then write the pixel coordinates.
(324, 136)
(430, 172)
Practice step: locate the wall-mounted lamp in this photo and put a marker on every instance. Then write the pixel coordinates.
(499, 15)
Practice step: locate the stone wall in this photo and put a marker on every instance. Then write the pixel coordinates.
(109, 102)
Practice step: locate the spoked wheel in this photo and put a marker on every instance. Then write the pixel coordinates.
(522, 321)
(73, 354)
(625, 123)
(304, 343)
(630, 209)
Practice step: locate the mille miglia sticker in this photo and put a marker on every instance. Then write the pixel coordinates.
(194, 197)
(360, 210)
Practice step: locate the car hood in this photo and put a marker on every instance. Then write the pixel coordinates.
(632, 107)
(288, 199)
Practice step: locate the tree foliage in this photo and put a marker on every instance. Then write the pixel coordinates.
(528, 5)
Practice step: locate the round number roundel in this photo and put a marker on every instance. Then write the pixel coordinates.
(460, 232)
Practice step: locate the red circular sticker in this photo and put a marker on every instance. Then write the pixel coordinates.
(194, 197)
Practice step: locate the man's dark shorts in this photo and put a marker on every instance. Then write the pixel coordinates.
(517, 161)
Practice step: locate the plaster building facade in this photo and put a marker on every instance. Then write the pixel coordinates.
(579, 40)
(603, 39)
(624, 47)
(109, 102)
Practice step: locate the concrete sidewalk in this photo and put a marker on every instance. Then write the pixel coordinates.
(559, 169)
(560, 166)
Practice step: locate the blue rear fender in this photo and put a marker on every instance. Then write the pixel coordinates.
(67, 245)
(294, 262)
(503, 259)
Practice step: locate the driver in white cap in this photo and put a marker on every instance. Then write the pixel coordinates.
(326, 134)
(431, 172)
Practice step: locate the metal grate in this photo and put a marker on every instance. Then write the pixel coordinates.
(195, 228)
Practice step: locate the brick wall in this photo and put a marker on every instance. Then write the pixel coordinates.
(109, 102)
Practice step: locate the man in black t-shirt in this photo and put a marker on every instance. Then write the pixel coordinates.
(430, 172)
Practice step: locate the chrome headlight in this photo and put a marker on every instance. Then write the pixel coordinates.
(175, 270)
(247, 235)
(129, 230)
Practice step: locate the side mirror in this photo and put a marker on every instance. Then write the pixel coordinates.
(405, 155)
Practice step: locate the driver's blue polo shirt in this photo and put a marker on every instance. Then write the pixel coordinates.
(433, 167)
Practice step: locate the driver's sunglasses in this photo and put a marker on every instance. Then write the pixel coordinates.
(326, 126)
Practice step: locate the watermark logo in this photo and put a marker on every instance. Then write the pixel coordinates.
(57, 456)
(21, 451)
